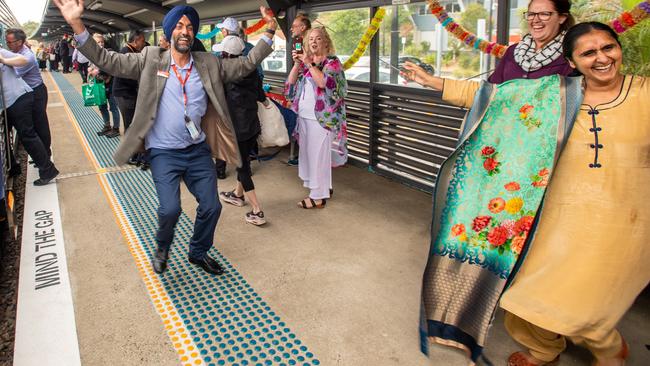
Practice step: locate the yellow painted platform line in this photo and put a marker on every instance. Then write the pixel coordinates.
(181, 340)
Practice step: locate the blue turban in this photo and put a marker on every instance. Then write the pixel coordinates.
(174, 15)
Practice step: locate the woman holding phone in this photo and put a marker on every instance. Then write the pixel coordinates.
(317, 88)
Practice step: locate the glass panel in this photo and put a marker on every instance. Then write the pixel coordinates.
(277, 60)
(346, 27)
(148, 38)
(411, 33)
(207, 43)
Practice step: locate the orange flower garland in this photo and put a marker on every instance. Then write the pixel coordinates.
(622, 23)
(255, 27)
(463, 34)
(629, 19)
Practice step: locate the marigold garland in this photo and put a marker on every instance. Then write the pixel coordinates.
(629, 19)
(365, 39)
(622, 23)
(465, 36)
(255, 27)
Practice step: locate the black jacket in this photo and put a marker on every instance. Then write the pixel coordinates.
(125, 87)
(242, 97)
(64, 49)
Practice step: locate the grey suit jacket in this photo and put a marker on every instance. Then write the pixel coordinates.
(145, 67)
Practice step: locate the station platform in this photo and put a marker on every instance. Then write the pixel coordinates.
(338, 286)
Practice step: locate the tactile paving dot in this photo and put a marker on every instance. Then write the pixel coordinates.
(211, 320)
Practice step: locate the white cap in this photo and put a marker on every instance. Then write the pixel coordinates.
(230, 24)
(233, 45)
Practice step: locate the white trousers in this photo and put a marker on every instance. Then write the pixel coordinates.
(315, 158)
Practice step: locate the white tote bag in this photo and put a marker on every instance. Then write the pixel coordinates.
(274, 131)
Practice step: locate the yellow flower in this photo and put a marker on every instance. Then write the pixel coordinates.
(514, 205)
(462, 237)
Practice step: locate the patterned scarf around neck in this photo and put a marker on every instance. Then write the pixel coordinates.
(530, 60)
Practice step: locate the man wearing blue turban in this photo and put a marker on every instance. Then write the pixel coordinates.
(181, 119)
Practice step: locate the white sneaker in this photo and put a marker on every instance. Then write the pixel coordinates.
(232, 198)
(255, 218)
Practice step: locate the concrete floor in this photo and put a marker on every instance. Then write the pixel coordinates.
(346, 279)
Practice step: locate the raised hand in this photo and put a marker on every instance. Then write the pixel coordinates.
(267, 13)
(296, 57)
(413, 72)
(71, 11)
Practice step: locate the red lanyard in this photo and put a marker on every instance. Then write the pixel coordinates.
(187, 76)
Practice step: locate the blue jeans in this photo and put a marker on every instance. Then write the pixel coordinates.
(194, 164)
(114, 111)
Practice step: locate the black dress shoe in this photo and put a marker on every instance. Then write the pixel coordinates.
(159, 262)
(208, 264)
(45, 180)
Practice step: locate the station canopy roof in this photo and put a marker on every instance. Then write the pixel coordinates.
(115, 16)
(7, 18)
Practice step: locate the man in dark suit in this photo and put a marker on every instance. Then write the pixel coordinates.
(64, 53)
(182, 119)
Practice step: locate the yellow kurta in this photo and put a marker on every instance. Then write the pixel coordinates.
(591, 254)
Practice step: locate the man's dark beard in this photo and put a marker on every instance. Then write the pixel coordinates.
(182, 49)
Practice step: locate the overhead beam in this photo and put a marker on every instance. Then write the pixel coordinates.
(101, 15)
(87, 22)
(145, 5)
(105, 28)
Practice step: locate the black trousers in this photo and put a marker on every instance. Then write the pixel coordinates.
(41, 122)
(83, 71)
(20, 116)
(65, 63)
(127, 108)
(244, 173)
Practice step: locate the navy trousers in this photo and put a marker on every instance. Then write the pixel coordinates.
(195, 166)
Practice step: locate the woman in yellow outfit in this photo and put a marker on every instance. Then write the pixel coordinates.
(587, 260)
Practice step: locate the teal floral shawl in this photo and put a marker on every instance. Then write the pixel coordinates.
(486, 201)
(330, 104)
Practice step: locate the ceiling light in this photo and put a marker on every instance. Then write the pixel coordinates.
(190, 2)
(95, 5)
(135, 13)
(167, 2)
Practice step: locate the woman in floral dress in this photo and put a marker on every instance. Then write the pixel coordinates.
(317, 88)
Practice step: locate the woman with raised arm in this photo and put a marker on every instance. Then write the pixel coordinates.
(528, 141)
(317, 88)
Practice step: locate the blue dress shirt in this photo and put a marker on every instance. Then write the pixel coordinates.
(13, 86)
(30, 72)
(169, 131)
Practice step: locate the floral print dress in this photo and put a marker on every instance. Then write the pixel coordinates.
(329, 105)
(499, 180)
(486, 200)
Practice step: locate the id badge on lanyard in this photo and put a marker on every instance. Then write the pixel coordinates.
(189, 124)
(191, 127)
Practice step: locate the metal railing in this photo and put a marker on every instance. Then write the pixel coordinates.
(399, 132)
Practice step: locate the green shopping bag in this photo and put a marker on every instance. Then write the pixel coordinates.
(94, 93)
